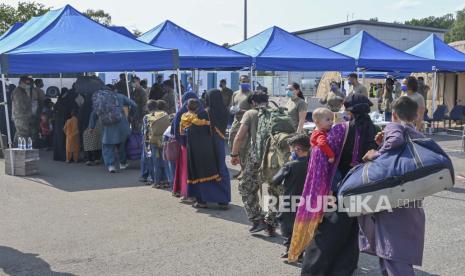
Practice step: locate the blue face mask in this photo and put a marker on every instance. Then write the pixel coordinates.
(289, 93)
(333, 88)
(245, 86)
(403, 87)
(294, 156)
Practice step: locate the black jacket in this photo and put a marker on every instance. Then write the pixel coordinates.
(292, 176)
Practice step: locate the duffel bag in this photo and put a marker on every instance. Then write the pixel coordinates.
(417, 169)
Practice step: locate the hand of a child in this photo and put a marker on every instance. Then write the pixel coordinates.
(370, 155)
(331, 160)
(379, 138)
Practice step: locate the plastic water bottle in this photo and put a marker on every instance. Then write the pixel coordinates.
(29, 143)
(21, 143)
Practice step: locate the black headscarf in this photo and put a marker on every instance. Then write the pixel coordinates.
(365, 131)
(217, 111)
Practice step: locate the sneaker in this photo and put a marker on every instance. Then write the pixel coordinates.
(270, 230)
(89, 163)
(175, 194)
(284, 255)
(143, 179)
(157, 186)
(111, 169)
(187, 200)
(258, 225)
(123, 166)
(200, 205)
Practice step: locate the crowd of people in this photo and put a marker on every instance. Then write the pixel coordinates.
(184, 151)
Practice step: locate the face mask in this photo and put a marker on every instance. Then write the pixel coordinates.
(403, 87)
(293, 156)
(333, 88)
(289, 93)
(245, 86)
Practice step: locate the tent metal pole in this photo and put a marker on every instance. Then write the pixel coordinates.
(435, 90)
(61, 82)
(363, 77)
(127, 83)
(251, 77)
(8, 130)
(177, 86)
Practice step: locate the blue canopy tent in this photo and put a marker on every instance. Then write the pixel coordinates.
(371, 54)
(11, 30)
(122, 30)
(194, 51)
(278, 50)
(445, 58)
(64, 40)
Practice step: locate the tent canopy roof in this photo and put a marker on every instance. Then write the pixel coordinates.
(445, 57)
(122, 30)
(194, 51)
(277, 49)
(64, 40)
(372, 54)
(11, 30)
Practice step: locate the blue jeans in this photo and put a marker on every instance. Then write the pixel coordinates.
(146, 166)
(170, 167)
(152, 166)
(109, 155)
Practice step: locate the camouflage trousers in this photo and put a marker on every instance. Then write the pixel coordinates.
(245, 146)
(276, 192)
(249, 186)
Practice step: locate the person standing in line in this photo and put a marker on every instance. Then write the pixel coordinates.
(169, 97)
(114, 136)
(355, 86)
(226, 93)
(296, 106)
(71, 130)
(22, 108)
(239, 105)
(250, 182)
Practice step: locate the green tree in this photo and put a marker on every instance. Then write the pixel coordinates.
(457, 31)
(444, 22)
(100, 16)
(22, 13)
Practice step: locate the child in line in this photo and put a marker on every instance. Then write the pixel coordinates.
(170, 163)
(45, 133)
(396, 237)
(71, 130)
(147, 169)
(323, 119)
(292, 178)
(190, 117)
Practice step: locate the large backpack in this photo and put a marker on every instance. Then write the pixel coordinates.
(271, 121)
(107, 107)
(276, 154)
(158, 122)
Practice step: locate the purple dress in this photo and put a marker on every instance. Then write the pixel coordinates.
(398, 235)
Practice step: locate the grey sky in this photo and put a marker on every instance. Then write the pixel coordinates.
(222, 20)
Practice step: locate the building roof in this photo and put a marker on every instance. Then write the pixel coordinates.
(372, 23)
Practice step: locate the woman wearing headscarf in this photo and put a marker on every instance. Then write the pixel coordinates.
(180, 174)
(65, 103)
(201, 139)
(334, 247)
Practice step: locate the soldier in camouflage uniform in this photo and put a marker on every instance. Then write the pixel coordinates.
(239, 105)
(22, 108)
(250, 182)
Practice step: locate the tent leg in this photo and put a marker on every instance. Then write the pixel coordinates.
(435, 92)
(8, 130)
(127, 83)
(178, 73)
(61, 82)
(251, 78)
